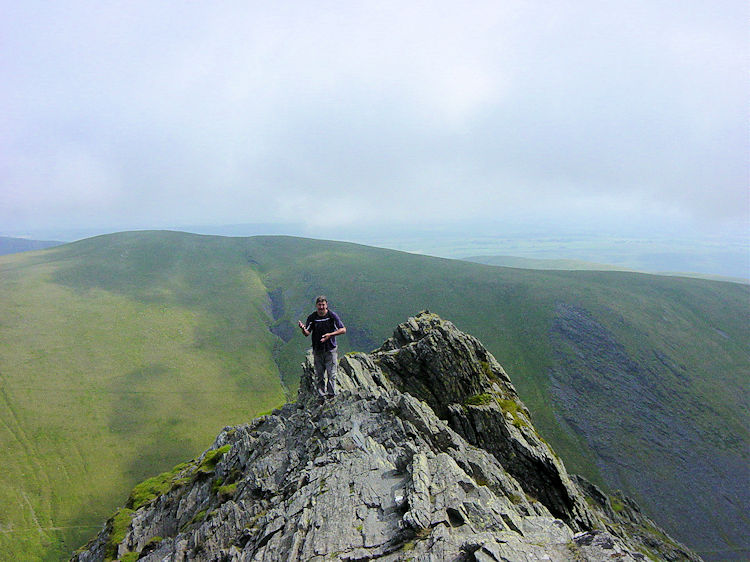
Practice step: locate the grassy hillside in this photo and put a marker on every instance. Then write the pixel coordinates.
(119, 357)
(124, 354)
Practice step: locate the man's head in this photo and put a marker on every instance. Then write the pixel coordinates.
(321, 304)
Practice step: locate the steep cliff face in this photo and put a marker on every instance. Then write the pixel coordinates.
(425, 453)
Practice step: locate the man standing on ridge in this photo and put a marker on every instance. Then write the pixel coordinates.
(324, 325)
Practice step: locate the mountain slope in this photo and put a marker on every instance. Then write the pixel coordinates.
(124, 354)
(100, 385)
(10, 245)
(373, 473)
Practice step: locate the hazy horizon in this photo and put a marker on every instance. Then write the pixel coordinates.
(723, 257)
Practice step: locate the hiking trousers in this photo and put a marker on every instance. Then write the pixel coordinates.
(325, 363)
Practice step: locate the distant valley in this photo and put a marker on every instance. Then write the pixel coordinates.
(578, 265)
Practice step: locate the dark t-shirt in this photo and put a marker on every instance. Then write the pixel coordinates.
(319, 325)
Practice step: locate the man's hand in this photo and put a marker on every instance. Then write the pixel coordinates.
(302, 327)
(338, 332)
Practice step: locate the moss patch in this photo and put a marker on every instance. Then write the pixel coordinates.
(487, 370)
(150, 489)
(506, 405)
(228, 491)
(198, 517)
(211, 459)
(515, 499)
(153, 540)
(480, 399)
(120, 523)
(511, 406)
(617, 505)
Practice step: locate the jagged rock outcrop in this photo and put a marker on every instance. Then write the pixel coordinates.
(425, 453)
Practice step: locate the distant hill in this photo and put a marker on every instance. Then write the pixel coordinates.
(531, 263)
(124, 354)
(9, 245)
(578, 265)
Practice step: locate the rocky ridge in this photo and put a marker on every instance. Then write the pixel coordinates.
(425, 453)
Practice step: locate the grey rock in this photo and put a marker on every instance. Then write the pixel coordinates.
(426, 453)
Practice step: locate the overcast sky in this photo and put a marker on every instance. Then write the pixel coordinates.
(156, 114)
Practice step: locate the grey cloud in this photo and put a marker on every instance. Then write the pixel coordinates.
(176, 113)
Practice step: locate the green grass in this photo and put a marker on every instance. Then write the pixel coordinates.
(120, 523)
(123, 355)
(506, 405)
(480, 400)
(511, 406)
(617, 505)
(101, 379)
(155, 486)
(227, 491)
(212, 457)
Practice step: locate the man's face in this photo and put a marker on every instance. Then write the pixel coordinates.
(322, 307)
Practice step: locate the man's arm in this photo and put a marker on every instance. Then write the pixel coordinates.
(302, 327)
(337, 332)
(338, 324)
